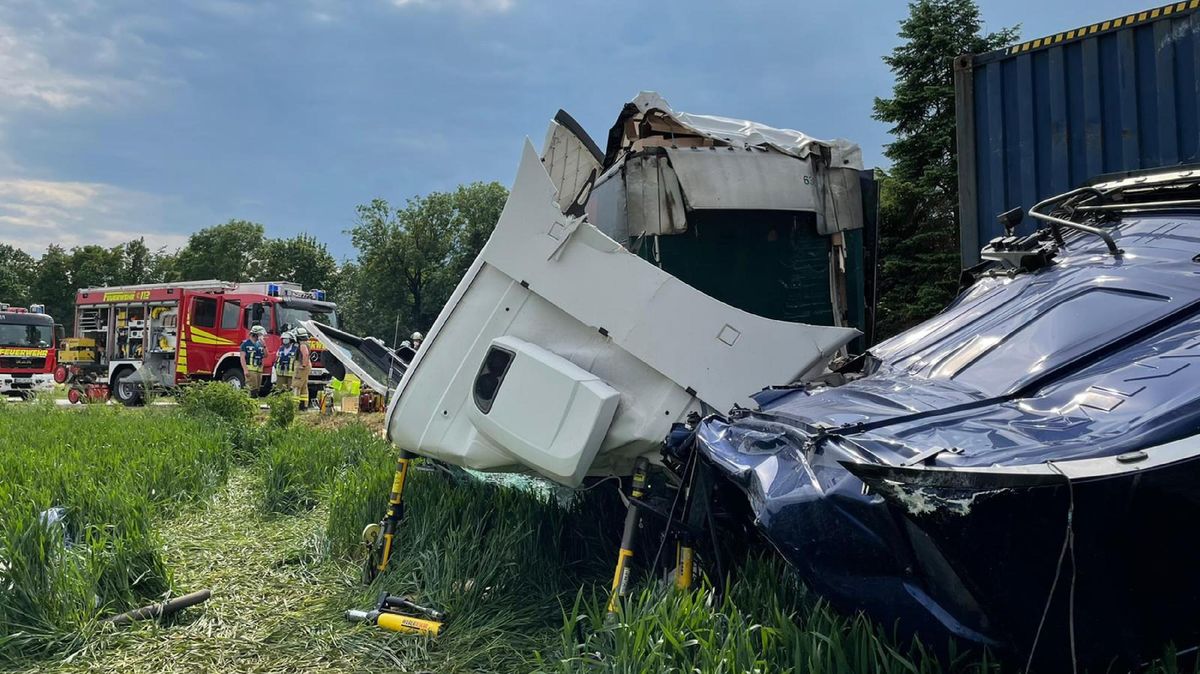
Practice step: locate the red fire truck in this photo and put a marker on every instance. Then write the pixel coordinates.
(159, 335)
(27, 353)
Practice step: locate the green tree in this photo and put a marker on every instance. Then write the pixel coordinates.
(410, 258)
(919, 252)
(301, 259)
(228, 252)
(92, 266)
(52, 284)
(163, 266)
(478, 206)
(16, 270)
(136, 262)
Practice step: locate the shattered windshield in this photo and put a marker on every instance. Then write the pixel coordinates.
(41, 336)
(288, 316)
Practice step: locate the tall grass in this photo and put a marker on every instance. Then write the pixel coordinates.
(299, 464)
(525, 580)
(764, 622)
(80, 490)
(501, 560)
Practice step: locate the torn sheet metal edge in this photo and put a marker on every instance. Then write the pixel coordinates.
(844, 154)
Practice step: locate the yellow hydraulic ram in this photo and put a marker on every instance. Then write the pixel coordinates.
(380, 537)
(387, 614)
(621, 576)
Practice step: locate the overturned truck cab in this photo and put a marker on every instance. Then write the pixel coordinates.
(1016, 471)
(568, 350)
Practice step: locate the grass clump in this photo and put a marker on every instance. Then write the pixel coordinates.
(282, 410)
(218, 399)
(80, 491)
(298, 464)
(764, 622)
(501, 560)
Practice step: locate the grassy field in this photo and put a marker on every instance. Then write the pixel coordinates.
(215, 494)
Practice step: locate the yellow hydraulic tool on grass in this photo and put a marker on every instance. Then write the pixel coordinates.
(392, 612)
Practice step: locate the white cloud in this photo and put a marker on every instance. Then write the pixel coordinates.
(61, 62)
(472, 6)
(37, 213)
(28, 78)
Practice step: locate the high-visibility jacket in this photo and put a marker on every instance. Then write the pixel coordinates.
(254, 352)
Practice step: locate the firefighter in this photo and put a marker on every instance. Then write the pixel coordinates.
(285, 362)
(251, 356)
(303, 367)
(417, 338)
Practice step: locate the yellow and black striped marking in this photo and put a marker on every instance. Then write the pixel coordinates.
(1105, 26)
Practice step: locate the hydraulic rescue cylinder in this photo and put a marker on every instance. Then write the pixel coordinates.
(622, 574)
(381, 537)
(395, 511)
(684, 559)
(395, 622)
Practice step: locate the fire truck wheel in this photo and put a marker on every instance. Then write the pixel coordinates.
(128, 393)
(61, 374)
(234, 377)
(73, 395)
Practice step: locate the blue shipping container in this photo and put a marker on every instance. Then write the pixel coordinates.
(1044, 116)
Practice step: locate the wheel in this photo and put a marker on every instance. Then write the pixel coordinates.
(234, 377)
(128, 393)
(61, 374)
(73, 396)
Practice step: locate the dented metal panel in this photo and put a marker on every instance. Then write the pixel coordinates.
(744, 179)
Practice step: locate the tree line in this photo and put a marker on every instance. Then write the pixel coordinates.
(406, 263)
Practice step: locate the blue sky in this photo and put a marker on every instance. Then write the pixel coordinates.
(121, 119)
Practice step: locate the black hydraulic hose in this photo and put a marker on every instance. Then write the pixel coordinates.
(161, 609)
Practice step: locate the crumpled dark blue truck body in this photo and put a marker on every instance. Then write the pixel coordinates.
(939, 488)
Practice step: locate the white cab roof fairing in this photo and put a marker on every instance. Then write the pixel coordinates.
(557, 282)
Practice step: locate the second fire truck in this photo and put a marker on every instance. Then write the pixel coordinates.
(27, 353)
(128, 339)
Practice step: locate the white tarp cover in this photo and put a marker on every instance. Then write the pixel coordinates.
(843, 153)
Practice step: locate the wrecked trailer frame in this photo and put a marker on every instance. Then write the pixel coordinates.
(1013, 471)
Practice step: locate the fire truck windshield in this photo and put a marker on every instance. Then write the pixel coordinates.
(289, 314)
(40, 336)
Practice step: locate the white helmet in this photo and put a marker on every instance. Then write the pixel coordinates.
(258, 330)
(416, 336)
(301, 333)
(288, 336)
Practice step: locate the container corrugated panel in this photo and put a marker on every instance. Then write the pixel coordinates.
(1044, 116)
